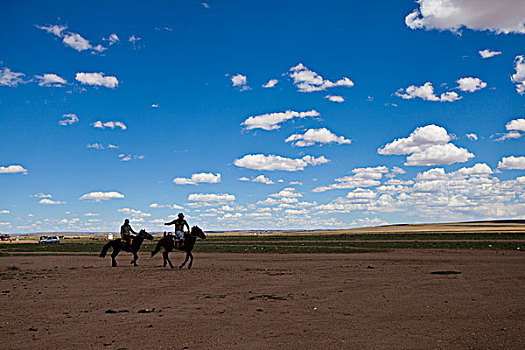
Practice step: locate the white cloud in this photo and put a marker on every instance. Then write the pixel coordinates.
(199, 177)
(95, 145)
(53, 29)
(472, 136)
(271, 121)
(509, 135)
(111, 125)
(50, 202)
(273, 162)
(68, 119)
(13, 169)
(488, 53)
(112, 39)
(519, 76)
(41, 195)
(76, 41)
(288, 192)
(97, 79)
(99, 48)
(335, 98)
(426, 92)
(154, 105)
(516, 124)
(477, 169)
(101, 196)
(308, 81)
(50, 80)
(134, 40)
(427, 145)
(4, 211)
(361, 193)
(211, 197)
(133, 212)
(471, 84)
(270, 84)
(312, 136)
(10, 78)
(171, 206)
(205, 5)
(91, 214)
(263, 179)
(502, 16)
(126, 158)
(512, 163)
(240, 81)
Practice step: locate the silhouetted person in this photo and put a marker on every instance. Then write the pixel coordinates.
(125, 234)
(179, 227)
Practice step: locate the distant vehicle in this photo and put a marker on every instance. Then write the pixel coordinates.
(49, 239)
(4, 237)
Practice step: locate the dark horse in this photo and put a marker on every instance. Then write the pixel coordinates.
(168, 243)
(117, 246)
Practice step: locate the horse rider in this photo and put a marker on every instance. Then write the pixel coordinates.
(125, 234)
(179, 227)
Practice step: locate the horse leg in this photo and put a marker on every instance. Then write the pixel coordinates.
(186, 260)
(191, 260)
(167, 259)
(114, 255)
(135, 258)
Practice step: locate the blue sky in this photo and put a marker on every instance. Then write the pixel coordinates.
(259, 114)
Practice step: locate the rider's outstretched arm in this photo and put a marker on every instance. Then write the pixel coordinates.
(170, 223)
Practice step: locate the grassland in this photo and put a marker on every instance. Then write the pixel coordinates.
(484, 235)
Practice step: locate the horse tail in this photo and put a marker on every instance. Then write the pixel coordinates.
(157, 248)
(105, 249)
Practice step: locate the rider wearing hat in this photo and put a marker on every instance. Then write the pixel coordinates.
(179, 227)
(125, 233)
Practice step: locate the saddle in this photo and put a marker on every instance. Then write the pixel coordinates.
(177, 243)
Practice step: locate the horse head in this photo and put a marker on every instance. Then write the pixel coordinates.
(144, 234)
(197, 232)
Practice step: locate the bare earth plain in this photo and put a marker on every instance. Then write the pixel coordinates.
(385, 300)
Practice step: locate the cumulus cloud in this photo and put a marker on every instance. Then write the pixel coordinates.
(170, 206)
(101, 196)
(512, 163)
(362, 177)
(134, 41)
(46, 201)
(71, 39)
(335, 98)
(126, 158)
(426, 92)
(427, 145)
(97, 79)
(133, 212)
(488, 53)
(112, 39)
(111, 125)
(470, 84)
(308, 81)
(68, 119)
(240, 81)
(50, 80)
(270, 84)
(519, 76)
(13, 169)
(288, 192)
(503, 16)
(272, 121)
(273, 162)
(41, 195)
(76, 41)
(10, 78)
(312, 136)
(472, 136)
(5, 211)
(95, 145)
(263, 179)
(211, 197)
(53, 29)
(515, 128)
(199, 177)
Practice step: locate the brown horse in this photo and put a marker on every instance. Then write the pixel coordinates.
(168, 243)
(118, 245)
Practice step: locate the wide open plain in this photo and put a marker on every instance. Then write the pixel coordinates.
(384, 300)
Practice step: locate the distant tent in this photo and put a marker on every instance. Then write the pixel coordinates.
(110, 235)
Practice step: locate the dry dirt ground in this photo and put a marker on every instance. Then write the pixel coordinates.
(266, 301)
